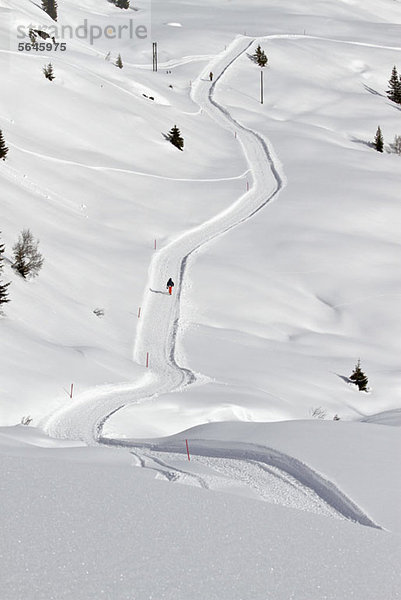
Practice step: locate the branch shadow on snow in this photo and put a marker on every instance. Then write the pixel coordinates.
(373, 91)
(252, 57)
(344, 378)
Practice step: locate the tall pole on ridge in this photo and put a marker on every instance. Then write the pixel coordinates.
(154, 56)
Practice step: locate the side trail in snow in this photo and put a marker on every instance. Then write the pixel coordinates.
(267, 474)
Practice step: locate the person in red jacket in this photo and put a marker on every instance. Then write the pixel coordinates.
(170, 285)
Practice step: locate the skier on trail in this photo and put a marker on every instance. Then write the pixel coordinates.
(211, 76)
(170, 285)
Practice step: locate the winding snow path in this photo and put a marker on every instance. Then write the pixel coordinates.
(83, 419)
(271, 475)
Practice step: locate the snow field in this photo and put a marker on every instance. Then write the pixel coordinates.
(266, 323)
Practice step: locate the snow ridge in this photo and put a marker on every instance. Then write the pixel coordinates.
(308, 480)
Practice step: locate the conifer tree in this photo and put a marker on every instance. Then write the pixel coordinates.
(174, 136)
(3, 147)
(50, 7)
(119, 62)
(259, 57)
(379, 142)
(27, 258)
(122, 3)
(394, 91)
(4, 294)
(359, 378)
(48, 72)
(3, 286)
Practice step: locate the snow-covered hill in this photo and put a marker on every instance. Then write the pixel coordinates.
(279, 224)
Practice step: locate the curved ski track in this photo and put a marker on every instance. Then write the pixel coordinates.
(85, 417)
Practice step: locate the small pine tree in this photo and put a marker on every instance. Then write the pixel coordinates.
(4, 294)
(48, 72)
(359, 378)
(50, 7)
(3, 286)
(119, 62)
(27, 259)
(259, 57)
(3, 147)
(174, 136)
(379, 141)
(122, 3)
(394, 91)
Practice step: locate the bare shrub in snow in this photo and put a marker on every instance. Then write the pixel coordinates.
(27, 259)
(395, 147)
(318, 413)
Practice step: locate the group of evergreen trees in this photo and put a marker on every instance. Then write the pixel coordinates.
(50, 6)
(27, 261)
(393, 94)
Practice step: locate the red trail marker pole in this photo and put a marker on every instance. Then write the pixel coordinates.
(186, 441)
(72, 387)
(155, 244)
(147, 359)
(139, 312)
